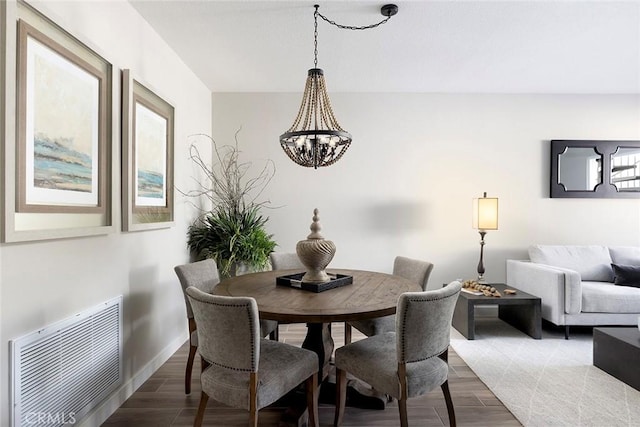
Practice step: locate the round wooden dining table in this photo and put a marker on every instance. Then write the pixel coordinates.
(370, 295)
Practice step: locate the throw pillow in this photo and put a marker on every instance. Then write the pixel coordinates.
(625, 255)
(626, 275)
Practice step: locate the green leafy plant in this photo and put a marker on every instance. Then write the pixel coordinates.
(233, 231)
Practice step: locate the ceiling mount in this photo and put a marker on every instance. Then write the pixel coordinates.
(389, 10)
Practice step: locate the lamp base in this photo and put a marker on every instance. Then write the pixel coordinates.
(481, 264)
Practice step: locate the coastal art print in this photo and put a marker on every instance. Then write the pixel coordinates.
(148, 154)
(150, 144)
(61, 147)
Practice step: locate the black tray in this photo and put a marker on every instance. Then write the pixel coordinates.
(295, 281)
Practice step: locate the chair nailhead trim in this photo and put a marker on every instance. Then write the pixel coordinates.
(426, 358)
(404, 321)
(219, 365)
(254, 364)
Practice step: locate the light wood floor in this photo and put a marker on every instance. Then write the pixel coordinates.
(161, 401)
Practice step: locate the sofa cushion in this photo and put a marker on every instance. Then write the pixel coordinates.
(601, 297)
(626, 275)
(593, 263)
(625, 255)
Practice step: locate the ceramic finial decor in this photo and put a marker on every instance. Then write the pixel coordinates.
(315, 253)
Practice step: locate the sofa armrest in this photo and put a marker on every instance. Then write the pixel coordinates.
(559, 288)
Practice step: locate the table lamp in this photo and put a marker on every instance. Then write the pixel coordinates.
(485, 217)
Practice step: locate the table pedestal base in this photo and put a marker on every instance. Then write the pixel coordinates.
(295, 414)
(319, 340)
(359, 394)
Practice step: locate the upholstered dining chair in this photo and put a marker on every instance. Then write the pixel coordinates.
(414, 270)
(409, 362)
(204, 276)
(239, 368)
(285, 261)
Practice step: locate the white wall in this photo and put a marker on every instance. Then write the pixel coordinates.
(43, 282)
(404, 187)
(406, 184)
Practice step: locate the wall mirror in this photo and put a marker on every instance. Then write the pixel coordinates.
(579, 169)
(625, 171)
(595, 169)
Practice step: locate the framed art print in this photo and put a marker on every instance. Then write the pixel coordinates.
(147, 167)
(61, 153)
(58, 168)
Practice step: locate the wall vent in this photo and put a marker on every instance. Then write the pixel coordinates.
(61, 372)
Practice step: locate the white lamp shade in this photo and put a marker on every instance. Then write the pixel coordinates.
(485, 213)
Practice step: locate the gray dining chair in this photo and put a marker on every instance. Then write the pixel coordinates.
(414, 270)
(239, 368)
(409, 362)
(204, 276)
(285, 261)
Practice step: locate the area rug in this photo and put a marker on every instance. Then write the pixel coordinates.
(547, 382)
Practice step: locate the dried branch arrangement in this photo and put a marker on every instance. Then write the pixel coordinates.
(232, 231)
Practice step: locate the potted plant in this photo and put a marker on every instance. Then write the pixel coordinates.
(233, 230)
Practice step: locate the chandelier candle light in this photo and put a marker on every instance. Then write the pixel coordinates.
(485, 217)
(316, 138)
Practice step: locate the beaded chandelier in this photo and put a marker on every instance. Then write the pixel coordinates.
(315, 138)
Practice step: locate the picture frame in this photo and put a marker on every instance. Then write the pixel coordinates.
(62, 134)
(58, 214)
(595, 169)
(148, 134)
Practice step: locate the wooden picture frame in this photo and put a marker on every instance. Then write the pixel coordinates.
(75, 202)
(147, 157)
(62, 128)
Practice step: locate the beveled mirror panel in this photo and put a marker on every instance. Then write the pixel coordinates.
(579, 169)
(625, 169)
(595, 169)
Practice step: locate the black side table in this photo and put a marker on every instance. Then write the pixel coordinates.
(521, 310)
(617, 351)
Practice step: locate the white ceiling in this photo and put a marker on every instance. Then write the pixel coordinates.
(429, 46)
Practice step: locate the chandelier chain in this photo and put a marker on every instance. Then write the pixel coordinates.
(315, 37)
(350, 27)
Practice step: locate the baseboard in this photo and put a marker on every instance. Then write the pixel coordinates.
(99, 415)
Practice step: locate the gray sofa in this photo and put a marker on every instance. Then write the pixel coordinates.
(576, 284)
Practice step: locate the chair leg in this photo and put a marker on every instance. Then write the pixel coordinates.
(402, 400)
(274, 335)
(187, 376)
(402, 407)
(566, 332)
(341, 395)
(347, 333)
(253, 399)
(201, 407)
(312, 399)
(447, 399)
